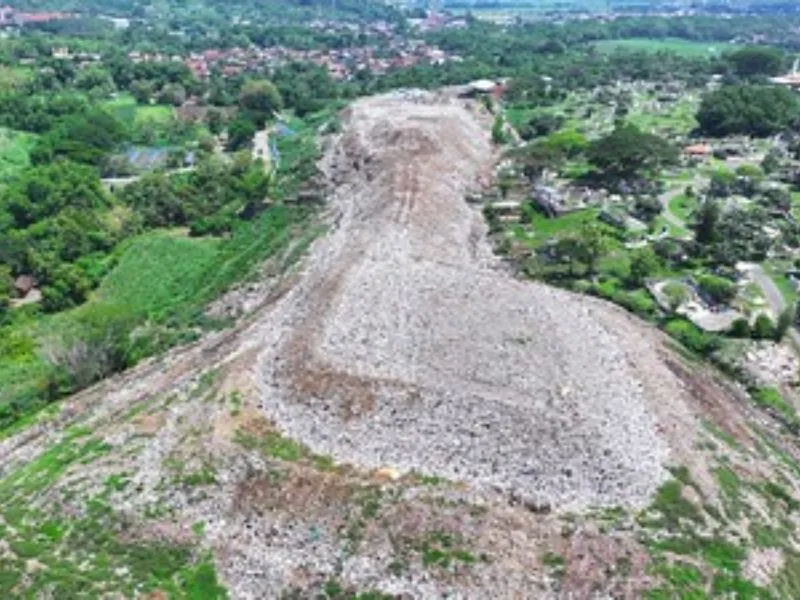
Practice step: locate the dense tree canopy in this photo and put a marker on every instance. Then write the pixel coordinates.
(756, 60)
(756, 110)
(629, 152)
(260, 96)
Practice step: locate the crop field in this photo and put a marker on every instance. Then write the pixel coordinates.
(675, 46)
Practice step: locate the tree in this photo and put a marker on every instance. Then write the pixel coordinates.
(541, 125)
(778, 199)
(154, 198)
(675, 294)
(172, 93)
(707, 222)
(740, 328)
(142, 90)
(6, 286)
(240, 134)
(647, 208)
(498, 130)
(644, 262)
(537, 158)
(718, 289)
(756, 110)
(260, 96)
(628, 152)
(763, 328)
(592, 244)
(755, 61)
(785, 321)
(215, 119)
(569, 142)
(771, 163)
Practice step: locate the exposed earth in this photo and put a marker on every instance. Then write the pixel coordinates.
(402, 415)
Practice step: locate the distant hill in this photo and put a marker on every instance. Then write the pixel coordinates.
(283, 9)
(620, 5)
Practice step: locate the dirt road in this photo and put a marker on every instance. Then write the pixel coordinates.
(261, 147)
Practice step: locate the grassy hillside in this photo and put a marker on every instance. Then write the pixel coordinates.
(155, 295)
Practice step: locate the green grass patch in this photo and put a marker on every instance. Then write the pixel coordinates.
(662, 224)
(683, 207)
(275, 445)
(443, 550)
(772, 399)
(672, 45)
(162, 282)
(159, 271)
(764, 536)
(676, 118)
(125, 108)
(731, 489)
(672, 509)
(544, 228)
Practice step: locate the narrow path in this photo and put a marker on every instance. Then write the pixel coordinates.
(261, 147)
(116, 182)
(668, 215)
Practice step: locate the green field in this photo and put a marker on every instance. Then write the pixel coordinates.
(161, 282)
(544, 228)
(151, 285)
(125, 108)
(14, 149)
(673, 45)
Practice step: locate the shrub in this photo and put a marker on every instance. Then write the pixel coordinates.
(740, 328)
(692, 336)
(718, 289)
(638, 302)
(763, 328)
(785, 320)
(94, 348)
(676, 294)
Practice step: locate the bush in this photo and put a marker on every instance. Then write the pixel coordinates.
(740, 328)
(94, 348)
(717, 289)
(785, 321)
(638, 302)
(763, 328)
(691, 336)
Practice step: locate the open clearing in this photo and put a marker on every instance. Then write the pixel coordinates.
(401, 415)
(676, 46)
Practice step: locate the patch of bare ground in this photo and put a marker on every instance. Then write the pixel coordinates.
(401, 415)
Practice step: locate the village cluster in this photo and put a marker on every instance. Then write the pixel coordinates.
(750, 180)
